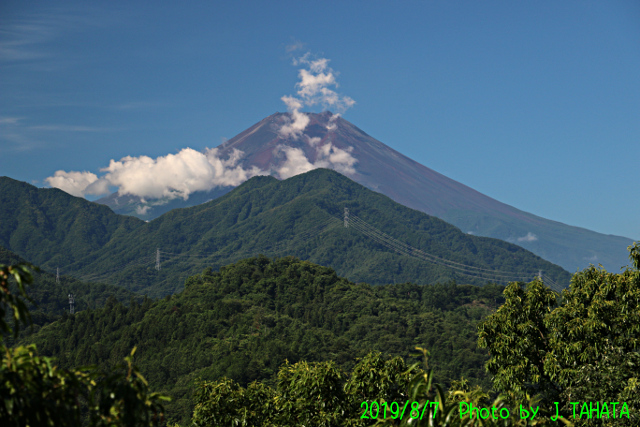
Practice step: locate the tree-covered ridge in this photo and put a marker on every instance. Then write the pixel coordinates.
(244, 321)
(52, 228)
(49, 298)
(299, 216)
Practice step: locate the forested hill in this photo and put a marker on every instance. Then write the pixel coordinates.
(51, 228)
(50, 298)
(244, 321)
(300, 216)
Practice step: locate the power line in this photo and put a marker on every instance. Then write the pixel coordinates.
(349, 221)
(436, 259)
(468, 270)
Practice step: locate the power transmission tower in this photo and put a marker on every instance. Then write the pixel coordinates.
(57, 275)
(346, 217)
(71, 302)
(158, 259)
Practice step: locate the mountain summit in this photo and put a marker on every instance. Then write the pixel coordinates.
(284, 145)
(330, 141)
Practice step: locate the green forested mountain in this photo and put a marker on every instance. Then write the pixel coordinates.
(50, 299)
(51, 228)
(300, 216)
(244, 321)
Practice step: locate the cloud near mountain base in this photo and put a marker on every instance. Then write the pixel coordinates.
(78, 184)
(530, 237)
(327, 156)
(170, 176)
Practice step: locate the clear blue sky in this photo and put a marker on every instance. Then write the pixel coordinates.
(534, 103)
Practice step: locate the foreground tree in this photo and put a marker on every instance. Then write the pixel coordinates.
(307, 394)
(34, 392)
(581, 346)
(318, 394)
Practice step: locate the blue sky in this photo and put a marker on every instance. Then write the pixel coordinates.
(534, 103)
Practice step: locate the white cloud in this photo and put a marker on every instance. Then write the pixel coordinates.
(327, 156)
(313, 88)
(142, 210)
(295, 164)
(294, 126)
(170, 176)
(77, 184)
(530, 237)
(295, 45)
(332, 125)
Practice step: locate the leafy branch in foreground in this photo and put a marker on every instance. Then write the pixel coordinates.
(20, 274)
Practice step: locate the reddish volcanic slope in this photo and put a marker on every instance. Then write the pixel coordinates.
(378, 166)
(384, 170)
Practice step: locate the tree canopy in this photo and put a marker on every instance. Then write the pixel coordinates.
(34, 392)
(581, 346)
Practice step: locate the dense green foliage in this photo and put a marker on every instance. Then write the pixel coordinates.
(246, 320)
(582, 348)
(318, 394)
(579, 349)
(377, 393)
(51, 228)
(49, 300)
(33, 392)
(277, 341)
(432, 407)
(13, 293)
(298, 216)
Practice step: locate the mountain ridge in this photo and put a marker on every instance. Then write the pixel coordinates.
(48, 226)
(300, 216)
(385, 170)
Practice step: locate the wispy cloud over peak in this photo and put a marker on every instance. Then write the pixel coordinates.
(314, 88)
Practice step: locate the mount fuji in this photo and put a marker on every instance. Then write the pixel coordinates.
(279, 146)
